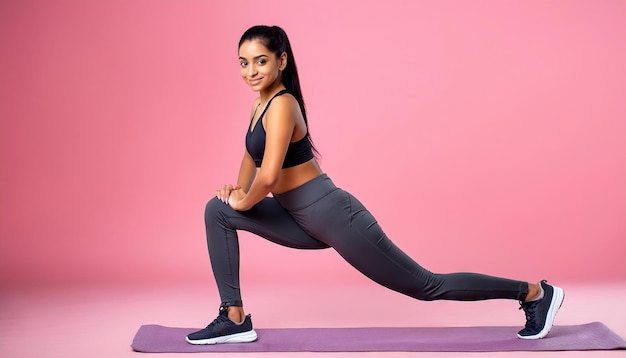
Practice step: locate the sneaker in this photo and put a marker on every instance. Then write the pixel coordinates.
(224, 330)
(540, 313)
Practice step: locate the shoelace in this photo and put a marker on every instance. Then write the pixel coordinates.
(530, 311)
(218, 320)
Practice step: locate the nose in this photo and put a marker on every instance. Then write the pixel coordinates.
(251, 70)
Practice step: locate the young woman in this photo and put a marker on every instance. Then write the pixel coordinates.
(307, 211)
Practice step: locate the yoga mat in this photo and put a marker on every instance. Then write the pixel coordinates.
(591, 336)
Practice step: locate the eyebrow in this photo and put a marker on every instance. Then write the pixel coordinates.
(254, 58)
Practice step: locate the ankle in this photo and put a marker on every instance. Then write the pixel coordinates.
(236, 314)
(535, 292)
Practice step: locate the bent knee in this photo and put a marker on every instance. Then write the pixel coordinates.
(214, 207)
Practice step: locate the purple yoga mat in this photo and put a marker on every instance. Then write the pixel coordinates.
(591, 336)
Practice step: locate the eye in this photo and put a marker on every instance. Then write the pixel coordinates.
(262, 62)
(243, 63)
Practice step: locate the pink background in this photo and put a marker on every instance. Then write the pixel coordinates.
(485, 136)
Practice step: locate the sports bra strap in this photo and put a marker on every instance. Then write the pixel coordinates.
(280, 93)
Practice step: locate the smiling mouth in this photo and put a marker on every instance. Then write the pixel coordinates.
(255, 81)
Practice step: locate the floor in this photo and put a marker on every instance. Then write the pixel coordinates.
(100, 321)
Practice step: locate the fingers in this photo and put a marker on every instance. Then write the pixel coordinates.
(224, 192)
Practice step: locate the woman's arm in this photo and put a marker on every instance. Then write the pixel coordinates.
(247, 172)
(280, 123)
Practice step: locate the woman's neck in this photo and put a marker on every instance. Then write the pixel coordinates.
(266, 94)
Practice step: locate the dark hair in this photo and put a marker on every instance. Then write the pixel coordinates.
(275, 39)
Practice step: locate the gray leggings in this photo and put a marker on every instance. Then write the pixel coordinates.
(318, 215)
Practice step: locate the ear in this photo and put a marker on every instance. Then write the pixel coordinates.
(282, 61)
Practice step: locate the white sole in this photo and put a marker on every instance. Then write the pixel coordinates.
(557, 300)
(244, 337)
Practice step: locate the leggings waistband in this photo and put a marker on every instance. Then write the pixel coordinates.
(307, 193)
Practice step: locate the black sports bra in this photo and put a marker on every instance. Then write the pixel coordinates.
(297, 153)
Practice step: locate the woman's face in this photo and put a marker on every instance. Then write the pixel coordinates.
(260, 68)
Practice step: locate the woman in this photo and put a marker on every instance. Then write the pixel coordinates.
(307, 211)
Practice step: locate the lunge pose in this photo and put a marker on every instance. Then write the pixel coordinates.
(307, 211)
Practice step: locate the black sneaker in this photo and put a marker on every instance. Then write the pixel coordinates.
(540, 314)
(224, 330)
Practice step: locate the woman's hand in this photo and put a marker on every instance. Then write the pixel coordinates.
(235, 199)
(224, 192)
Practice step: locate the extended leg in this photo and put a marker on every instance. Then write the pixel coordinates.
(351, 230)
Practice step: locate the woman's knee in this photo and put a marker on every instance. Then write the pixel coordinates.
(430, 290)
(214, 208)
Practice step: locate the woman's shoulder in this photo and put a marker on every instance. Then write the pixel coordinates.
(284, 106)
(285, 101)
